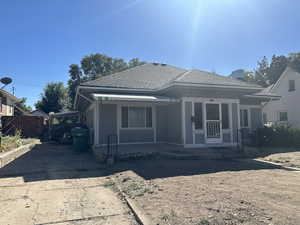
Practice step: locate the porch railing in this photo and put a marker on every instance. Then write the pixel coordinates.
(213, 129)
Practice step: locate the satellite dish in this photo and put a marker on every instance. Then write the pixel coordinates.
(6, 80)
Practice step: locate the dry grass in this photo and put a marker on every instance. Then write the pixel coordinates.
(195, 192)
(9, 143)
(290, 159)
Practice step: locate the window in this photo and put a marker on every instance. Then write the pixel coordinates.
(136, 117)
(225, 116)
(292, 85)
(283, 116)
(198, 116)
(244, 115)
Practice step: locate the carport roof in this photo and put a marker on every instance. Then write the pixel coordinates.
(142, 98)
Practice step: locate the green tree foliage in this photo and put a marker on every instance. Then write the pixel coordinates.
(54, 99)
(266, 74)
(94, 66)
(75, 74)
(294, 61)
(277, 66)
(249, 77)
(22, 104)
(134, 62)
(261, 72)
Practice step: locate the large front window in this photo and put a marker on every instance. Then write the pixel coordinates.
(136, 117)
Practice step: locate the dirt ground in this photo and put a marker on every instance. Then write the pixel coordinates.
(290, 159)
(53, 185)
(176, 192)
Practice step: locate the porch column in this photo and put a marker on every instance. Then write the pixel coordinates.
(96, 123)
(183, 121)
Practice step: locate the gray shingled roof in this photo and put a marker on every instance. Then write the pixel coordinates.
(266, 92)
(202, 77)
(154, 76)
(147, 76)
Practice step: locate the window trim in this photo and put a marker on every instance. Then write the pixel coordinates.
(287, 116)
(241, 117)
(145, 122)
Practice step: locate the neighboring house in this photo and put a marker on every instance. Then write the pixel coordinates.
(158, 103)
(40, 113)
(287, 109)
(7, 103)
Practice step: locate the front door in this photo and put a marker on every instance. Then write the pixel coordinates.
(213, 123)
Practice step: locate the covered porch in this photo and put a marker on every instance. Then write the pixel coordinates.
(132, 121)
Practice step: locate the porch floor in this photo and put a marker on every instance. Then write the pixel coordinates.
(171, 151)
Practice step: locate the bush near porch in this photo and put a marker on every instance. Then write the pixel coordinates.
(278, 136)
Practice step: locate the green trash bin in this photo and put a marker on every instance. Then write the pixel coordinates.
(80, 139)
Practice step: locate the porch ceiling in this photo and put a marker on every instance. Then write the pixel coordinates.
(139, 98)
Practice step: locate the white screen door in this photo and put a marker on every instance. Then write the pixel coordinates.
(213, 123)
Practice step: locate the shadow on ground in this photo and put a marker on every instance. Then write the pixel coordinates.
(51, 161)
(162, 168)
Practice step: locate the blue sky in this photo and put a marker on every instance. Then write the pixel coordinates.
(40, 39)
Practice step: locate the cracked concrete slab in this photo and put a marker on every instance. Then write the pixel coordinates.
(71, 195)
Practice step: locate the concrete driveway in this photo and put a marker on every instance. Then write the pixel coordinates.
(53, 185)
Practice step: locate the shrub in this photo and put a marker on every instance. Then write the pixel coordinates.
(11, 142)
(278, 136)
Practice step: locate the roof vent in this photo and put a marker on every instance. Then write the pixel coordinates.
(155, 64)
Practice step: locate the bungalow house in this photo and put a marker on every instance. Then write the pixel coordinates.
(159, 103)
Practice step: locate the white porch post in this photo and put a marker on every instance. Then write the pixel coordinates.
(239, 139)
(183, 120)
(96, 123)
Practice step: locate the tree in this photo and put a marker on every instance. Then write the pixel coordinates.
(119, 65)
(75, 74)
(22, 104)
(54, 99)
(277, 66)
(135, 62)
(92, 67)
(261, 73)
(95, 65)
(294, 61)
(249, 77)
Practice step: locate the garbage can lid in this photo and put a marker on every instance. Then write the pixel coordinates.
(79, 131)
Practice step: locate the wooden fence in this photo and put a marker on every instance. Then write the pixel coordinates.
(30, 126)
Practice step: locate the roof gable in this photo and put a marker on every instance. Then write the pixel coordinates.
(285, 73)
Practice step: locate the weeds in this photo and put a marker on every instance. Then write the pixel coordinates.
(108, 183)
(203, 222)
(11, 142)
